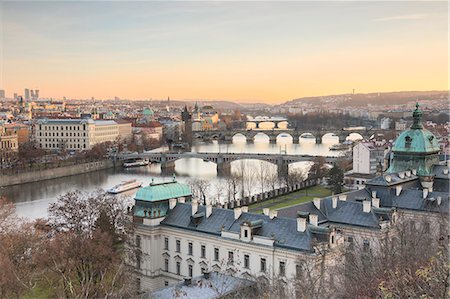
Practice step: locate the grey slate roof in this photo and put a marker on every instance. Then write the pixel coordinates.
(349, 212)
(282, 230)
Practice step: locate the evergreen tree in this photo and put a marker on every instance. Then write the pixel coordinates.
(336, 179)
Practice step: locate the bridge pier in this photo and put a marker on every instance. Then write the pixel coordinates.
(223, 169)
(295, 139)
(318, 139)
(168, 167)
(282, 168)
(273, 139)
(250, 139)
(342, 138)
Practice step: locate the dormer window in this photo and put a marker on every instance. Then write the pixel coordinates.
(408, 141)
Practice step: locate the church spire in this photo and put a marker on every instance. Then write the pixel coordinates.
(417, 116)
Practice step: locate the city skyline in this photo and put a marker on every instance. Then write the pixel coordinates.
(265, 52)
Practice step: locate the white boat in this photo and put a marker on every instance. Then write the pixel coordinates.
(124, 186)
(135, 163)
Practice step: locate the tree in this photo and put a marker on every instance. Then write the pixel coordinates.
(199, 189)
(318, 168)
(409, 261)
(336, 179)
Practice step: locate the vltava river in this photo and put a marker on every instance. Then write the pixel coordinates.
(33, 199)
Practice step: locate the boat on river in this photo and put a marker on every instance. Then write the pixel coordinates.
(135, 163)
(125, 186)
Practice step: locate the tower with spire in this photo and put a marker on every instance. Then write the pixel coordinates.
(187, 132)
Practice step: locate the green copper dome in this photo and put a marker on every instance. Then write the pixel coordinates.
(153, 201)
(163, 191)
(416, 148)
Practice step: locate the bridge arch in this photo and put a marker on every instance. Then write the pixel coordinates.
(354, 136)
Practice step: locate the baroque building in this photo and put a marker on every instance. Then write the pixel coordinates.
(179, 239)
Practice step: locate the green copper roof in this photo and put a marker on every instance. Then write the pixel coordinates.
(163, 191)
(417, 139)
(148, 111)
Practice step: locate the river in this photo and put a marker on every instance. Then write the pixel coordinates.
(33, 199)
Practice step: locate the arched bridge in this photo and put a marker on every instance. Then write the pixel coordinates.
(223, 160)
(227, 136)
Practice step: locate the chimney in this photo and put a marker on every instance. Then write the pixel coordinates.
(273, 214)
(375, 202)
(194, 206)
(398, 190)
(172, 203)
(374, 194)
(181, 199)
(334, 201)
(414, 172)
(266, 211)
(316, 202)
(208, 210)
(425, 193)
(439, 200)
(343, 197)
(314, 219)
(366, 206)
(388, 178)
(237, 213)
(301, 224)
(244, 209)
(401, 175)
(446, 170)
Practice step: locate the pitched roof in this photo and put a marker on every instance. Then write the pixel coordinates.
(163, 191)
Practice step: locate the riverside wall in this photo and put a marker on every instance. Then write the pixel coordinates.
(53, 173)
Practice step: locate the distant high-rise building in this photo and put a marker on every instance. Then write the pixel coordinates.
(15, 96)
(32, 94)
(36, 93)
(2, 94)
(27, 94)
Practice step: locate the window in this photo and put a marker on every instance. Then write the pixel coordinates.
(366, 245)
(350, 243)
(216, 254)
(282, 268)
(166, 265)
(426, 227)
(138, 241)
(190, 248)
(263, 265)
(298, 270)
(203, 251)
(190, 270)
(178, 268)
(166, 283)
(230, 257)
(246, 261)
(245, 233)
(178, 249)
(166, 243)
(138, 260)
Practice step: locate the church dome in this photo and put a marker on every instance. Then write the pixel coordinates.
(417, 139)
(416, 148)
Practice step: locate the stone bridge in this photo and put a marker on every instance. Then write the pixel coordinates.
(223, 160)
(227, 136)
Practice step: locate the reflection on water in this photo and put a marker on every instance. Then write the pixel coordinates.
(33, 199)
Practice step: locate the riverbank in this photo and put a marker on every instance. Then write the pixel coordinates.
(53, 173)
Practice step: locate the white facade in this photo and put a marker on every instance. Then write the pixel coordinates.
(170, 254)
(74, 134)
(366, 156)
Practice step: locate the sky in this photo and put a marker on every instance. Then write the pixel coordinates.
(241, 51)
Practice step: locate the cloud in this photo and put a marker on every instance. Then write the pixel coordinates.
(402, 17)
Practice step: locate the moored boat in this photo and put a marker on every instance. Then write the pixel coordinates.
(125, 186)
(135, 163)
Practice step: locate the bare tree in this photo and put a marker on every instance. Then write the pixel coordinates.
(200, 189)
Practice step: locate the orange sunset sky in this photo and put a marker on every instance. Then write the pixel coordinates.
(242, 51)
